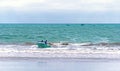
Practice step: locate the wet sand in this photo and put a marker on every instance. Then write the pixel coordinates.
(58, 64)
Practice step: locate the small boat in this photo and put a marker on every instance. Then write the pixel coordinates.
(43, 45)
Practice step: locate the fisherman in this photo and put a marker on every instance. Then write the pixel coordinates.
(41, 41)
(43, 44)
(46, 42)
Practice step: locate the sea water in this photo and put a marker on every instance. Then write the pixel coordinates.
(18, 38)
(75, 33)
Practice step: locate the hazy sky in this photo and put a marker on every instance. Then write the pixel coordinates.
(60, 11)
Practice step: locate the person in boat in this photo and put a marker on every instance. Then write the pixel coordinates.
(41, 41)
(43, 44)
(46, 42)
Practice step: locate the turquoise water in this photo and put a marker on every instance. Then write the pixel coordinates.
(24, 33)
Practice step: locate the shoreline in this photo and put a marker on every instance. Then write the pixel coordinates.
(60, 53)
(36, 59)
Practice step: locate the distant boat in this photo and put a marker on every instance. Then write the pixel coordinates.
(42, 45)
(82, 24)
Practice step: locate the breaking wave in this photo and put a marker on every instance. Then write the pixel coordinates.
(62, 50)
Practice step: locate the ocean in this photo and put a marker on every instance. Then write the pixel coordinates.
(66, 40)
(73, 33)
(75, 47)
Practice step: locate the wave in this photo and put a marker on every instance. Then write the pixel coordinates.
(64, 45)
(62, 50)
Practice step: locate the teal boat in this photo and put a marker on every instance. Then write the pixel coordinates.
(42, 45)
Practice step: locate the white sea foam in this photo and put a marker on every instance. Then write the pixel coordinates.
(83, 50)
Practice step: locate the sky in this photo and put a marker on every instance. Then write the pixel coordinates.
(59, 11)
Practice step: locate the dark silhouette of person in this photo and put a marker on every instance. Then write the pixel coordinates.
(42, 41)
(45, 41)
